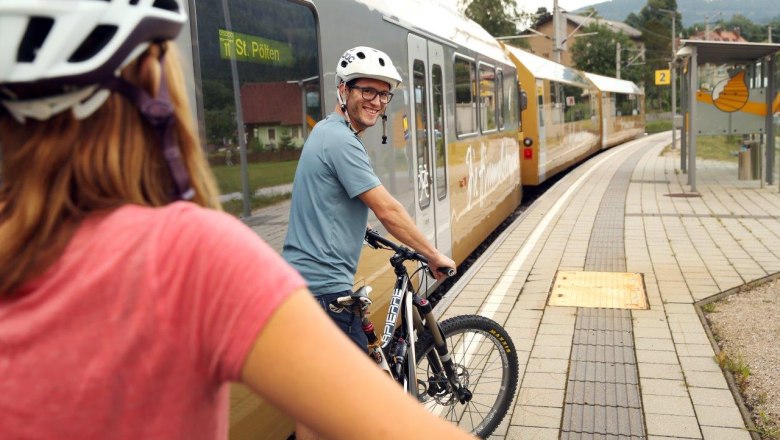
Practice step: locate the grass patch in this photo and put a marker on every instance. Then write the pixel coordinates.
(261, 175)
(236, 207)
(718, 147)
(737, 367)
(709, 307)
(765, 427)
(658, 126)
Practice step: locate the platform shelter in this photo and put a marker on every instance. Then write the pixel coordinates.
(728, 88)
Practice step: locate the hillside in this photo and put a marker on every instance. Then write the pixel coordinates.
(696, 11)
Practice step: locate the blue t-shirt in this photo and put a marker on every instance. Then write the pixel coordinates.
(327, 219)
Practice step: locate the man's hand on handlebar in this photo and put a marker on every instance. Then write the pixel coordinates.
(441, 265)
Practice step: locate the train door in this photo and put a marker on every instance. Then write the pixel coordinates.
(541, 156)
(429, 143)
(604, 115)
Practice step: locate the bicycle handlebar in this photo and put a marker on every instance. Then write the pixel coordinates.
(375, 240)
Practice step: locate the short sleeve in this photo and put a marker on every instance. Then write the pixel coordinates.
(352, 167)
(222, 284)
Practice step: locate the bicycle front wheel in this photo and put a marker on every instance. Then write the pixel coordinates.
(485, 362)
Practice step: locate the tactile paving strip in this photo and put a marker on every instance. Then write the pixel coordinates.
(602, 391)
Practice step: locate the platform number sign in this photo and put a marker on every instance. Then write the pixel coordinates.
(663, 77)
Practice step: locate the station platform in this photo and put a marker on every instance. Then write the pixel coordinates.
(599, 370)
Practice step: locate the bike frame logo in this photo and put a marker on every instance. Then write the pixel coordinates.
(392, 316)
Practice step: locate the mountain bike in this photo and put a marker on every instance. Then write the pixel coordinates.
(464, 369)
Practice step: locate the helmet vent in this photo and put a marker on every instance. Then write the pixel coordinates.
(37, 30)
(134, 2)
(94, 43)
(344, 63)
(168, 5)
(382, 62)
(361, 55)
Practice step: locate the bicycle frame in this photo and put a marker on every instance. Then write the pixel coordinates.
(416, 316)
(402, 302)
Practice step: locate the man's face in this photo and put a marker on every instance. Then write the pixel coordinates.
(363, 113)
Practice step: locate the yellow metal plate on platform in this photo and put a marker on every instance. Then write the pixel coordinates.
(611, 290)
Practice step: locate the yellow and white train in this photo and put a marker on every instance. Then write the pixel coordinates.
(474, 122)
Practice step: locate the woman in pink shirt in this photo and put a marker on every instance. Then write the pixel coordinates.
(127, 299)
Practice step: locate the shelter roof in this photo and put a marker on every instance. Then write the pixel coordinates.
(726, 52)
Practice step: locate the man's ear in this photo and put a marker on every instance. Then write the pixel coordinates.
(343, 91)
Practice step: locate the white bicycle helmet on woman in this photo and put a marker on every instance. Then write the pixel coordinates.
(366, 62)
(60, 55)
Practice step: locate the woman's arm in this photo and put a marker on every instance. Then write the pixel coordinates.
(304, 365)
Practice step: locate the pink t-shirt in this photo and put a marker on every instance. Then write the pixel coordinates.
(136, 329)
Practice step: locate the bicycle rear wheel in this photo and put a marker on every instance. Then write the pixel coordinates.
(486, 364)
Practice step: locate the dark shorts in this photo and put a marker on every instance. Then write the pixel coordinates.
(347, 321)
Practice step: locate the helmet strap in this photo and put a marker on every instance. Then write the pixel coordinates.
(384, 127)
(159, 113)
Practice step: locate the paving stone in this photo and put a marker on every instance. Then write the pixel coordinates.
(724, 417)
(711, 397)
(537, 416)
(671, 425)
(715, 433)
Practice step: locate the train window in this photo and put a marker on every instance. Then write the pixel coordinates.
(577, 105)
(626, 104)
(487, 97)
(419, 90)
(465, 104)
(500, 98)
(437, 81)
(510, 109)
(557, 101)
(267, 60)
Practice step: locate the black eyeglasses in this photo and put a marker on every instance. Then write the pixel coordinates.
(369, 93)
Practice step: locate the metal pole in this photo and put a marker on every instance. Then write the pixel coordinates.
(770, 126)
(685, 128)
(674, 88)
(694, 72)
(556, 32)
(617, 59)
(239, 121)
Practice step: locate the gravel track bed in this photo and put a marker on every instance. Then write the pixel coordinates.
(747, 328)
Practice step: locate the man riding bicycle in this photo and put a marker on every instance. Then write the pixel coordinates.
(335, 186)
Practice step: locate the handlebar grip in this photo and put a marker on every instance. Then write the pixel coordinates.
(449, 271)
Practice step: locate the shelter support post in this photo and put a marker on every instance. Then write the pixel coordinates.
(693, 71)
(770, 126)
(685, 129)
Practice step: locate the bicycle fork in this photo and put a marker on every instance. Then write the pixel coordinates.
(441, 361)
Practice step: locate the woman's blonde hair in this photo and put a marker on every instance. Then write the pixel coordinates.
(56, 172)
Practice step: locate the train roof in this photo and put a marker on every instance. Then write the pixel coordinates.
(607, 84)
(543, 68)
(430, 18)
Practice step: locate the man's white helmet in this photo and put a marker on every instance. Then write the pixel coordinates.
(366, 62)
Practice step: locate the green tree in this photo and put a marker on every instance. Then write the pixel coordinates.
(496, 16)
(597, 53)
(286, 140)
(655, 22)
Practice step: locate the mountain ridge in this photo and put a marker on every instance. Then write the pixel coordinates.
(695, 11)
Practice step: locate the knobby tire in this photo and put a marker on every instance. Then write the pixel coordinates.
(486, 364)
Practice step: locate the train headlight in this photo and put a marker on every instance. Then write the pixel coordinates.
(528, 142)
